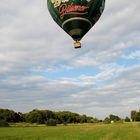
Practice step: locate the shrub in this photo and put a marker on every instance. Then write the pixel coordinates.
(65, 123)
(3, 123)
(119, 122)
(107, 121)
(93, 120)
(127, 119)
(51, 122)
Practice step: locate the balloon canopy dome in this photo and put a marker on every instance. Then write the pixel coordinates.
(76, 17)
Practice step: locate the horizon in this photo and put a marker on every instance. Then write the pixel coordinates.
(55, 111)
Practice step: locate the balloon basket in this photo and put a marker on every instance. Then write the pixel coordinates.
(77, 44)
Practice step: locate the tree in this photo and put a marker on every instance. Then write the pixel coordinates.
(133, 115)
(7, 115)
(114, 118)
(51, 122)
(107, 120)
(127, 119)
(137, 116)
(42, 116)
(39, 116)
(83, 119)
(68, 117)
(35, 116)
(18, 117)
(47, 114)
(93, 120)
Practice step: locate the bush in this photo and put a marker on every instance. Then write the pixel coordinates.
(3, 123)
(51, 122)
(127, 119)
(65, 123)
(93, 120)
(119, 122)
(107, 121)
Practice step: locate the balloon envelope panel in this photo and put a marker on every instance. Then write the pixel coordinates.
(76, 17)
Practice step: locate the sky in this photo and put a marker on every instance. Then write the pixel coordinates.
(40, 69)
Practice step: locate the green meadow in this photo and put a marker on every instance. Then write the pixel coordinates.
(125, 131)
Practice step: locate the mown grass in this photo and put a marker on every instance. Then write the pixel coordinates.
(129, 131)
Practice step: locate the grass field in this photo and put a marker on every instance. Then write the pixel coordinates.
(129, 131)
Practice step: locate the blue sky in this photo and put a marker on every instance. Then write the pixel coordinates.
(41, 69)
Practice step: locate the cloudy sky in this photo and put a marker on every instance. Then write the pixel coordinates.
(39, 68)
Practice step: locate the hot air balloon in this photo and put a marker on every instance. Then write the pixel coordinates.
(76, 17)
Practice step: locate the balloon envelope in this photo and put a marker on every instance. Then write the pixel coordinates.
(76, 17)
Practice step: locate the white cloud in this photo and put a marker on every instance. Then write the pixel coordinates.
(133, 55)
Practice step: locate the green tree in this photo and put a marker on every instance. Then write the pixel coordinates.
(127, 119)
(93, 120)
(107, 120)
(7, 115)
(51, 122)
(137, 116)
(66, 117)
(114, 118)
(39, 116)
(35, 116)
(47, 114)
(83, 119)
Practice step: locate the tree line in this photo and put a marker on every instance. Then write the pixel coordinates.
(61, 117)
(45, 117)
